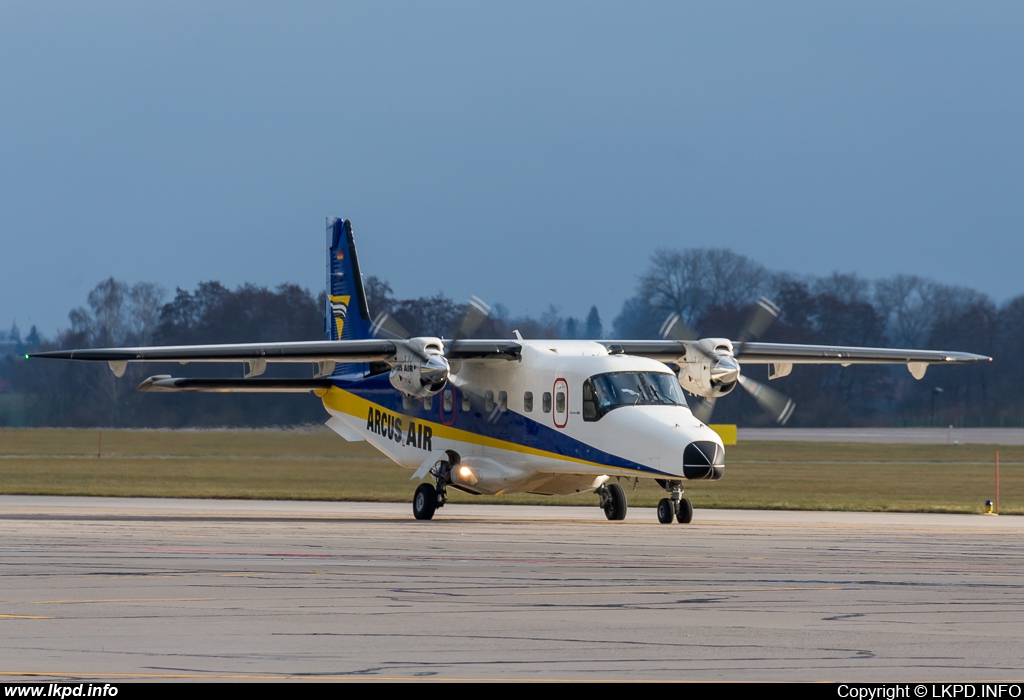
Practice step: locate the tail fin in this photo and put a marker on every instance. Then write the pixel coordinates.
(346, 316)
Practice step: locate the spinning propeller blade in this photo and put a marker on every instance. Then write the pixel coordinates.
(761, 317)
(675, 328)
(476, 313)
(703, 409)
(385, 326)
(776, 404)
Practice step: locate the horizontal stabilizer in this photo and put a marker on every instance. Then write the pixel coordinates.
(165, 382)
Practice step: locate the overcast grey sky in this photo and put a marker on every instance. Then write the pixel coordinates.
(528, 152)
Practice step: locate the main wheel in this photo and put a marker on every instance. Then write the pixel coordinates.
(665, 514)
(615, 508)
(685, 513)
(424, 501)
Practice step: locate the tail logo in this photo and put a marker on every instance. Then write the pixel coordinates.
(339, 309)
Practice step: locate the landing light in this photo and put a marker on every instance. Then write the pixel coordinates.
(467, 476)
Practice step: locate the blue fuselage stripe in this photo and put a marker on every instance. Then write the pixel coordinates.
(507, 426)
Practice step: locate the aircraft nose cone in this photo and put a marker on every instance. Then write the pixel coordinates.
(703, 460)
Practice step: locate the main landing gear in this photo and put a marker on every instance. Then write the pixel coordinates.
(613, 501)
(675, 506)
(428, 498)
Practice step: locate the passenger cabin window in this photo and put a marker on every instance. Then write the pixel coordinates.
(605, 392)
(546, 405)
(560, 402)
(502, 401)
(428, 403)
(489, 401)
(528, 402)
(466, 404)
(446, 400)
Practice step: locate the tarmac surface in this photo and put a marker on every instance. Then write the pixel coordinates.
(128, 589)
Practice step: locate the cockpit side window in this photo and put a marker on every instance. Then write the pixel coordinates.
(590, 412)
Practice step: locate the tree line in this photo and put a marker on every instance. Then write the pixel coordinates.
(712, 289)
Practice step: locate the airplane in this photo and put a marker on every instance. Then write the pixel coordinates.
(503, 416)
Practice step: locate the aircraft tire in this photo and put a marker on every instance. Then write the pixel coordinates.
(685, 513)
(424, 502)
(615, 508)
(665, 514)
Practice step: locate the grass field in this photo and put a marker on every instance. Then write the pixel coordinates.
(316, 464)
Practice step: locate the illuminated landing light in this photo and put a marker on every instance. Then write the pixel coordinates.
(466, 476)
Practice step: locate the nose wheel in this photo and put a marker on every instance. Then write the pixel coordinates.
(675, 507)
(666, 513)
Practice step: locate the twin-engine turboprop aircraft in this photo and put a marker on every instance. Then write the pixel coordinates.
(516, 415)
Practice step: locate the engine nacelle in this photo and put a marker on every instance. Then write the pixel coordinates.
(712, 371)
(420, 368)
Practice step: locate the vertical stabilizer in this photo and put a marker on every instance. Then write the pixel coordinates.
(346, 316)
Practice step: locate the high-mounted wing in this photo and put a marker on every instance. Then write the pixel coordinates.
(710, 368)
(374, 350)
(768, 353)
(416, 353)
(255, 355)
(307, 351)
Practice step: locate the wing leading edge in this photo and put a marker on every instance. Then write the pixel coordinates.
(256, 356)
(306, 351)
(769, 353)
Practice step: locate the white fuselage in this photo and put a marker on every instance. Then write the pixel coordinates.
(524, 429)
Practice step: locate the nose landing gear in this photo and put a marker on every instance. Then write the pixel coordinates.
(675, 506)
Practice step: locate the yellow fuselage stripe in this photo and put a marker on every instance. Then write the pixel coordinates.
(342, 401)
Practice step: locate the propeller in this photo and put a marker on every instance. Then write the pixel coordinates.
(435, 369)
(387, 326)
(724, 365)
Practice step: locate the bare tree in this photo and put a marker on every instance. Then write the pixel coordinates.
(905, 303)
(848, 288)
(146, 300)
(688, 282)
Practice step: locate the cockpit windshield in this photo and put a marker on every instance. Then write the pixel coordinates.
(604, 392)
